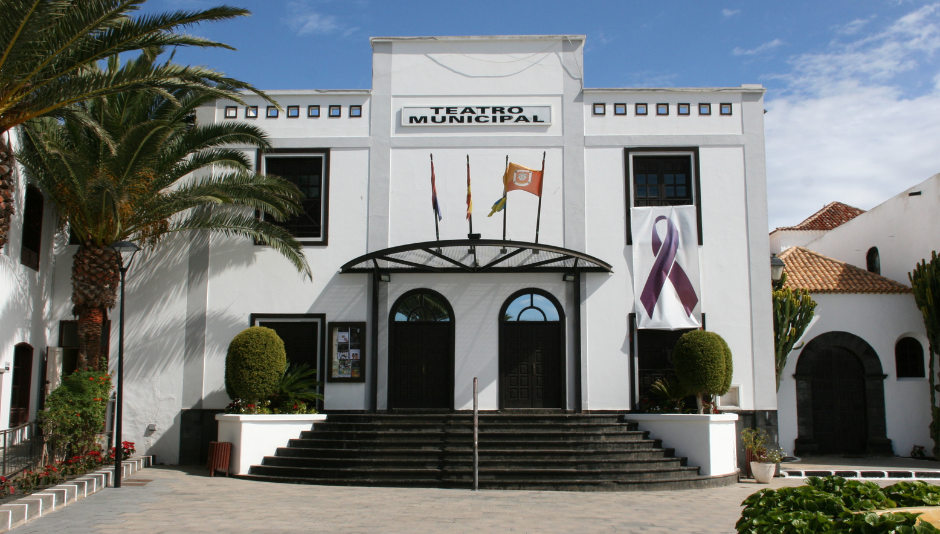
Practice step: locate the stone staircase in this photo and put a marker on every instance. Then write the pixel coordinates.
(517, 451)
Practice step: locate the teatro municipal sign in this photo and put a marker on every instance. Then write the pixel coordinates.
(476, 115)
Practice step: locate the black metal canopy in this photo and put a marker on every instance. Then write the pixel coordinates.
(475, 256)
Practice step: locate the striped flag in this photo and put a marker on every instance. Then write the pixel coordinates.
(498, 206)
(434, 205)
(469, 198)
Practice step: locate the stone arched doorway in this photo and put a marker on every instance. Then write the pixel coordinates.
(421, 352)
(840, 400)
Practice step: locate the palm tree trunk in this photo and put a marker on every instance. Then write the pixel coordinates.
(7, 184)
(90, 321)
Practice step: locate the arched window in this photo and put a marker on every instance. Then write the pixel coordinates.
(909, 358)
(422, 307)
(32, 228)
(531, 307)
(873, 260)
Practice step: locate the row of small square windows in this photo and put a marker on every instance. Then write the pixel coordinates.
(662, 109)
(293, 112)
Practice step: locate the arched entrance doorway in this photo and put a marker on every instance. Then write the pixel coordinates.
(531, 351)
(421, 352)
(840, 397)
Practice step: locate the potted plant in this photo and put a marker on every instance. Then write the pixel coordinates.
(762, 460)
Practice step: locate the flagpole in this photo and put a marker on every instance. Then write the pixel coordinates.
(437, 232)
(538, 218)
(505, 201)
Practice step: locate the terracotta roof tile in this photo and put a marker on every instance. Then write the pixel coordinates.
(832, 215)
(820, 274)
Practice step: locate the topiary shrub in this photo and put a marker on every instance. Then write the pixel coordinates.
(729, 366)
(254, 364)
(700, 360)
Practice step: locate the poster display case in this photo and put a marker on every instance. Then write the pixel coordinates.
(347, 352)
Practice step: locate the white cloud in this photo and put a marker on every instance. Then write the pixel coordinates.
(303, 20)
(728, 13)
(846, 128)
(853, 27)
(769, 45)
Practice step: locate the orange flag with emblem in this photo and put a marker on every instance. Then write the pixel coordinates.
(522, 178)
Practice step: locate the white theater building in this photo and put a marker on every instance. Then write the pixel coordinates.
(394, 319)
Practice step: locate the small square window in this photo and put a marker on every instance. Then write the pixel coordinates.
(704, 109)
(336, 111)
(600, 109)
(662, 109)
(231, 112)
(313, 111)
(725, 109)
(293, 112)
(251, 112)
(272, 112)
(355, 111)
(641, 109)
(684, 109)
(620, 109)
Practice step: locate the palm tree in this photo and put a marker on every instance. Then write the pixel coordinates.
(48, 50)
(121, 168)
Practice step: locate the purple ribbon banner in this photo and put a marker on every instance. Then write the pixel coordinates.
(665, 267)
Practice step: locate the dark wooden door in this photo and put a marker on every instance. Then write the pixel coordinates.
(838, 387)
(420, 365)
(301, 339)
(22, 388)
(531, 365)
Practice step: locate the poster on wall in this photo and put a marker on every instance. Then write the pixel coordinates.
(347, 341)
(665, 266)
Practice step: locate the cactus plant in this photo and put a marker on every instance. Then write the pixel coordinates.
(793, 311)
(925, 281)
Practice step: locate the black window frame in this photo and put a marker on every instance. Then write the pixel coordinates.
(620, 106)
(692, 152)
(688, 109)
(721, 109)
(658, 108)
(708, 107)
(233, 110)
(249, 110)
(271, 112)
(295, 109)
(255, 319)
(356, 108)
(324, 188)
(914, 366)
(603, 108)
(636, 109)
(311, 110)
(873, 261)
(339, 111)
(33, 213)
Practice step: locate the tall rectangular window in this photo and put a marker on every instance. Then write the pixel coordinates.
(662, 180)
(308, 171)
(32, 228)
(662, 176)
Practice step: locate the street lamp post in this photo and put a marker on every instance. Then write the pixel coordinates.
(121, 247)
(776, 268)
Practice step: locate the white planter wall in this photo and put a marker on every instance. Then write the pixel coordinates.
(255, 436)
(709, 441)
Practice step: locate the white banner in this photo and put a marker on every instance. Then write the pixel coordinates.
(477, 116)
(665, 267)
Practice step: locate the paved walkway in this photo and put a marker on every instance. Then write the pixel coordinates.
(174, 499)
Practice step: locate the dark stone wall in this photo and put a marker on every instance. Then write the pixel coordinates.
(762, 419)
(197, 429)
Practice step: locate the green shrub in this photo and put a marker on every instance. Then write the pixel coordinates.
(700, 362)
(255, 364)
(729, 366)
(75, 413)
(834, 504)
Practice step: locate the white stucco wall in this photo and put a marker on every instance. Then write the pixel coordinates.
(24, 296)
(904, 228)
(880, 320)
(781, 240)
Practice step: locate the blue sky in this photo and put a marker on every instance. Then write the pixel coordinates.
(853, 86)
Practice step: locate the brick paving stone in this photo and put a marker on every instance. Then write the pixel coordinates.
(183, 499)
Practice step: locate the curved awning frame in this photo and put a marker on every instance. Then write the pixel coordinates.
(475, 256)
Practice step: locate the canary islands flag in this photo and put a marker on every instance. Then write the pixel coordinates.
(498, 206)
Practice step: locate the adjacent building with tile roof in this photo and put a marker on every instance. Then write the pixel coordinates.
(821, 274)
(831, 216)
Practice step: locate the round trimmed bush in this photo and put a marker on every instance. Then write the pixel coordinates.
(729, 367)
(254, 364)
(699, 359)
